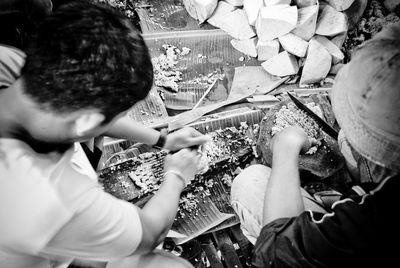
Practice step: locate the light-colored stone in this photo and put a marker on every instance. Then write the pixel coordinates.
(234, 23)
(317, 64)
(305, 3)
(306, 22)
(294, 44)
(339, 39)
(267, 49)
(200, 10)
(247, 47)
(236, 3)
(252, 7)
(331, 22)
(276, 2)
(340, 5)
(283, 64)
(222, 10)
(336, 53)
(275, 21)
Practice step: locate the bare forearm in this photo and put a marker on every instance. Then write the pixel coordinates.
(126, 128)
(164, 204)
(160, 211)
(283, 195)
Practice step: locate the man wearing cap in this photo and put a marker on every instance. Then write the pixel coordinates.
(359, 229)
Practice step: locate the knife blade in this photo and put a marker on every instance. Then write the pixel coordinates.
(321, 123)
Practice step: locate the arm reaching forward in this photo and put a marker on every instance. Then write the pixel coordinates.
(159, 213)
(126, 128)
(283, 196)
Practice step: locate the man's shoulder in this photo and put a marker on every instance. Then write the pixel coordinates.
(23, 169)
(39, 193)
(18, 157)
(11, 62)
(27, 195)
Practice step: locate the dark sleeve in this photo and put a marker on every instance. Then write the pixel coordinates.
(355, 234)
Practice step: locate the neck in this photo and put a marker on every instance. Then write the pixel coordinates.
(40, 146)
(11, 110)
(15, 115)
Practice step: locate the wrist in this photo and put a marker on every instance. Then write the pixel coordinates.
(175, 176)
(283, 157)
(287, 147)
(162, 138)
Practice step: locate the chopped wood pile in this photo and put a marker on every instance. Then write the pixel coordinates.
(300, 38)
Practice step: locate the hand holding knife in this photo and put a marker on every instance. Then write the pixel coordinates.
(321, 123)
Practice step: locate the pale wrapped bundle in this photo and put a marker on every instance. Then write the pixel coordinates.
(200, 10)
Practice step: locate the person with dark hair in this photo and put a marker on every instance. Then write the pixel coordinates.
(19, 19)
(85, 67)
(12, 60)
(359, 230)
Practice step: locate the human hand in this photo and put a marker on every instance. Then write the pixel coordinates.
(185, 162)
(292, 138)
(185, 138)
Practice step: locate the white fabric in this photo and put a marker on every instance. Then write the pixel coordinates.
(11, 62)
(52, 210)
(247, 199)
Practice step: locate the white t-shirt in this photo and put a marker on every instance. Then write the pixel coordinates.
(52, 210)
(51, 207)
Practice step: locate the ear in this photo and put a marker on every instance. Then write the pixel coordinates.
(86, 122)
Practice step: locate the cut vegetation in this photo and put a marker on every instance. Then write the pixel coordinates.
(201, 10)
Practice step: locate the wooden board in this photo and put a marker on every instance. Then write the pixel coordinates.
(211, 252)
(227, 248)
(245, 247)
(228, 251)
(325, 162)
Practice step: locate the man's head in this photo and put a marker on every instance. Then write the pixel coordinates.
(366, 98)
(87, 60)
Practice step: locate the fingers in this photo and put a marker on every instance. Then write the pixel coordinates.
(193, 132)
(185, 161)
(194, 137)
(291, 137)
(198, 136)
(187, 154)
(199, 140)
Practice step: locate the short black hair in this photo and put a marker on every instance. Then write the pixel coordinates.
(87, 55)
